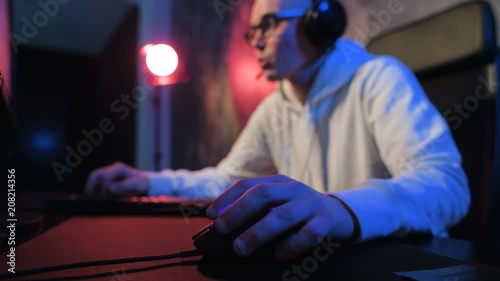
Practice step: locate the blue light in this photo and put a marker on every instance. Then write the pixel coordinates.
(44, 141)
(324, 6)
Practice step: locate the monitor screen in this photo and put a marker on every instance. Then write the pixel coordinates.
(5, 67)
(8, 131)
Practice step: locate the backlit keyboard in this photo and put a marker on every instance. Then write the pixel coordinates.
(80, 204)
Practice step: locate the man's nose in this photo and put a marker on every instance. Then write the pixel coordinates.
(258, 41)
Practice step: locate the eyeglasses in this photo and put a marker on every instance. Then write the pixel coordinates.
(270, 21)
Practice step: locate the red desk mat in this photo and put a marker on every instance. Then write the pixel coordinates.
(84, 239)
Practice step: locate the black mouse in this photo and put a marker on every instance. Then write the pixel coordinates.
(210, 242)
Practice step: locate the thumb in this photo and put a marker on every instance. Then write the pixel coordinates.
(134, 185)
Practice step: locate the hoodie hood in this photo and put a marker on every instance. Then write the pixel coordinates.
(339, 68)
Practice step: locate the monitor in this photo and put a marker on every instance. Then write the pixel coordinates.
(6, 118)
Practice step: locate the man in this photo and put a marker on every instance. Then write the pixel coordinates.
(348, 147)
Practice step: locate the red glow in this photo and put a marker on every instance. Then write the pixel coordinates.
(167, 80)
(243, 67)
(161, 59)
(145, 49)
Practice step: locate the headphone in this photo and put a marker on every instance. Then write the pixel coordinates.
(325, 22)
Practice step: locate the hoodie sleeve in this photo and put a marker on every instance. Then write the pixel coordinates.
(249, 157)
(427, 189)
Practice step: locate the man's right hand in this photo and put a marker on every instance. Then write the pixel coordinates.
(118, 179)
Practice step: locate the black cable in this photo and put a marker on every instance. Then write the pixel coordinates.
(184, 254)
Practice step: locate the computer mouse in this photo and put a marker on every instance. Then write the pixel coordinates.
(210, 242)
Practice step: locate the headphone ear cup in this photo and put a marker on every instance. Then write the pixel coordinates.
(325, 22)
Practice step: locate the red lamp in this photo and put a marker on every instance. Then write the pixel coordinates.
(162, 67)
(162, 64)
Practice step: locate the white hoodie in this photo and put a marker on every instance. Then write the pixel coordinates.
(367, 134)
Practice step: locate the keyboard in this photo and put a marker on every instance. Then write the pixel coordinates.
(81, 204)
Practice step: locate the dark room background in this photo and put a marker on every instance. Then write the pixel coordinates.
(87, 55)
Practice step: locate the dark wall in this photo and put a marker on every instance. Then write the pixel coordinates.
(211, 110)
(204, 120)
(68, 94)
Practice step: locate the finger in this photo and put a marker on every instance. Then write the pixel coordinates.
(114, 173)
(304, 241)
(129, 186)
(275, 224)
(254, 202)
(94, 181)
(101, 180)
(238, 189)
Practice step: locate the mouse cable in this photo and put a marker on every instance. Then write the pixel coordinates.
(184, 254)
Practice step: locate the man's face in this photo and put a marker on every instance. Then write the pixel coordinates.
(283, 49)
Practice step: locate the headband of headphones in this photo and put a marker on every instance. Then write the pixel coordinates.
(325, 22)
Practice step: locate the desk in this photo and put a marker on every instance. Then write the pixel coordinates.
(82, 239)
